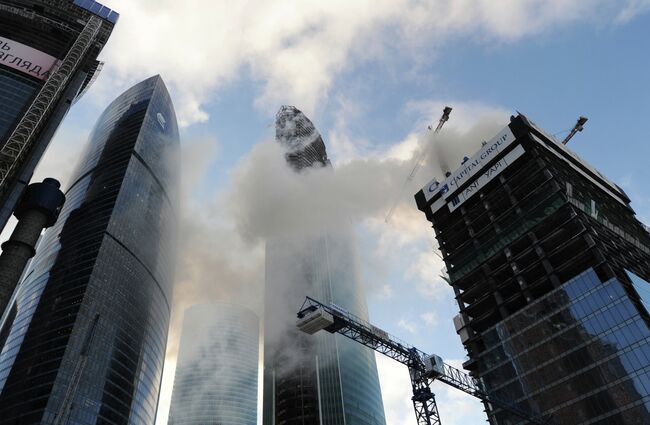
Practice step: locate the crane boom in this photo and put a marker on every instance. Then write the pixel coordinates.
(419, 160)
(580, 125)
(423, 368)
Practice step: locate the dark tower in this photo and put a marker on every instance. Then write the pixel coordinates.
(550, 268)
(85, 333)
(314, 380)
(48, 59)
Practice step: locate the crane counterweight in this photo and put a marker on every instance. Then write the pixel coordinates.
(315, 320)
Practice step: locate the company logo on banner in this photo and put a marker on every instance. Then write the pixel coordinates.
(430, 189)
(482, 157)
(26, 59)
(487, 176)
(470, 167)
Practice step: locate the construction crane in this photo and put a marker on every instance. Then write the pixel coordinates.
(580, 125)
(424, 369)
(419, 161)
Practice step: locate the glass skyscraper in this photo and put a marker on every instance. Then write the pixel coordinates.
(83, 340)
(48, 59)
(217, 367)
(551, 273)
(323, 379)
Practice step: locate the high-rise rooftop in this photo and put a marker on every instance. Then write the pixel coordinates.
(298, 135)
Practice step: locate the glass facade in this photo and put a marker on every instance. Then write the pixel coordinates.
(314, 379)
(216, 372)
(15, 91)
(642, 287)
(580, 354)
(84, 340)
(32, 33)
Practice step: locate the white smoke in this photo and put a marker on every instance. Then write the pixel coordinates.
(222, 244)
(222, 238)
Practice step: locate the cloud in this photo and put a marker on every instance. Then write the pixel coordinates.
(407, 325)
(430, 318)
(57, 159)
(385, 292)
(631, 10)
(341, 148)
(297, 50)
(395, 391)
(426, 271)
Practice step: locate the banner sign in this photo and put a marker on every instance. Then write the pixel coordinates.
(430, 189)
(26, 59)
(478, 161)
(488, 175)
(472, 166)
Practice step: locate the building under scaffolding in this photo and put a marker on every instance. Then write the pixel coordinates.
(550, 269)
(48, 59)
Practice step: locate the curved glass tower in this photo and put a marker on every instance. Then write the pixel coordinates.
(321, 379)
(216, 373)
(84, 338)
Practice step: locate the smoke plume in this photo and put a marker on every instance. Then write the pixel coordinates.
(223, 239)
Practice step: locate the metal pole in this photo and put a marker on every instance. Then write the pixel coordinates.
(38, 209)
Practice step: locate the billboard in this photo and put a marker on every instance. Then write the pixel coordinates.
(26, 59)
(485, 177)
(472, 166)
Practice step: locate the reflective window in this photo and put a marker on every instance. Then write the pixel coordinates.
(16, 91)
(579, 353)
(642, 288)
(93, 312)
(216, 371)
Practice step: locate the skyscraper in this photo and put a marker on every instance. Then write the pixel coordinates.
(216, 372)
(83, 340)
(48, 59)
(550, 268)
(321, 379)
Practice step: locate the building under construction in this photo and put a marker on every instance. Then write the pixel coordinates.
(48, 59)
(550, 270)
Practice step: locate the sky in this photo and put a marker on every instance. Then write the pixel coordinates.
(371, 75)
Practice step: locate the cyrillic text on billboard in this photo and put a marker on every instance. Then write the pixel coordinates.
(470, 167)
(26, 59)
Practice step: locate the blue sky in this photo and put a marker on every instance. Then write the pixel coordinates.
(371, 75)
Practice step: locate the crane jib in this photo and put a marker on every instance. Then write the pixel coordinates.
(424, 369)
